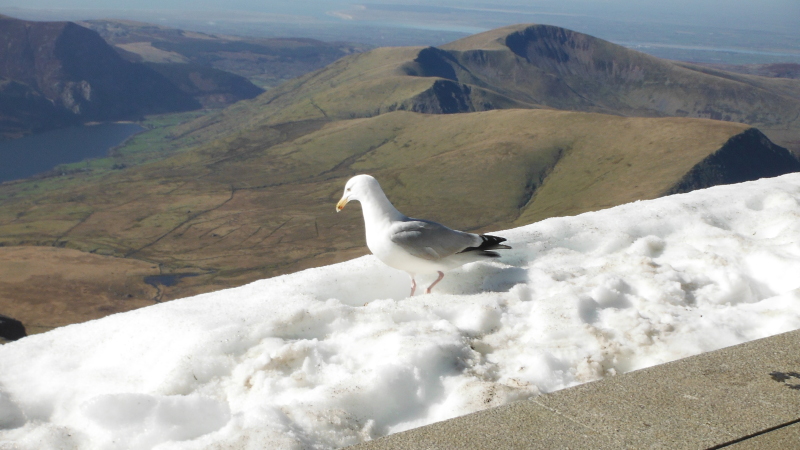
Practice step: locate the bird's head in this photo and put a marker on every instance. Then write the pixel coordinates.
(357, 188)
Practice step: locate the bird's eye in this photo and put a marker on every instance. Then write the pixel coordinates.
(349, 189)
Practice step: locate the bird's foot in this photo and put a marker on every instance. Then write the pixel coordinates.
(441, 275)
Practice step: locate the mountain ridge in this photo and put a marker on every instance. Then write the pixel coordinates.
(526, 66)
(81, 75)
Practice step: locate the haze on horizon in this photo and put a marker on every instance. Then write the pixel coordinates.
(733, 13)
(722, 31)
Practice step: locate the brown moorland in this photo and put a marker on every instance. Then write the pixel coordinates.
(236, 210)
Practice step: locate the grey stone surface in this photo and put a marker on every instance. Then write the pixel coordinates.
(705, 401)
(518, 425)
(783, 438)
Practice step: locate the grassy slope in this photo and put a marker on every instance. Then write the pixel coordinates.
(361, 85)
(523, 67)
(48, 287)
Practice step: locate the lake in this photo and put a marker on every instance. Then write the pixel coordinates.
(27, 156)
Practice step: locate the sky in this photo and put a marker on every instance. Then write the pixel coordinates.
(711, 31)
(736, 12)
(340, 354)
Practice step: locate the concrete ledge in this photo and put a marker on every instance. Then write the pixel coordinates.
(741, 397)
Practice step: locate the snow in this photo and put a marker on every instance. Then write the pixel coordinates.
(337, 355)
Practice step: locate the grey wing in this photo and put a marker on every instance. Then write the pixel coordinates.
(430, 240)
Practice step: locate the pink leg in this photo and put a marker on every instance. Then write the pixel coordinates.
(441, 275)
(413, 286)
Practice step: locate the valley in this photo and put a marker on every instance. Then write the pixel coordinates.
(265, 62)
(493, 131)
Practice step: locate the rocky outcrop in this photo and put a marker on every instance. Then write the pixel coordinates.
(22, 109)
(745, 157)
(11, 329)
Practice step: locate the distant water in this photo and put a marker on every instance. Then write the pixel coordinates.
(27, 156)
(167, 279)
(646, 46)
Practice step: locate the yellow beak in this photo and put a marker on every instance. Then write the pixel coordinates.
(342, 202)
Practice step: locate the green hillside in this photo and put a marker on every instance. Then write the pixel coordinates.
(524, 66)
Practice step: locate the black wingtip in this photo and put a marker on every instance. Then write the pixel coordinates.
(489, 243)
(492, 243)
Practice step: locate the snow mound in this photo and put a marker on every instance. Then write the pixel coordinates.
(337, 355)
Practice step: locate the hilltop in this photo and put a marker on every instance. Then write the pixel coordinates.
(470, 134)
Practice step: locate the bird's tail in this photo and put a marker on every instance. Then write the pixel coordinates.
(489, 243)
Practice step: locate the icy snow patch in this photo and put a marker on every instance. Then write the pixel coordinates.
(337, 355)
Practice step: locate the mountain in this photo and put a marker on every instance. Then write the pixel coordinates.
(338, 355)
(213, 88)
(467, 135)
(580, 72)
(81, 75)
(265, 62)
(528, 66)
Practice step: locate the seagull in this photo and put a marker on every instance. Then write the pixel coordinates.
(415, 246)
